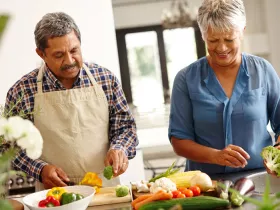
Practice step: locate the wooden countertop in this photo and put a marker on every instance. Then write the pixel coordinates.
(122, 206)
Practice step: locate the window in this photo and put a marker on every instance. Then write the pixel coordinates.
(150, 58)
(180, 47)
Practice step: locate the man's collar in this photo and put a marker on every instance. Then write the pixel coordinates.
(52, 78)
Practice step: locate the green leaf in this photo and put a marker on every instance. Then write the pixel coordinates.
(168, 172)
(4, 177)
(5, 205)
(266, 197)
(277, 195)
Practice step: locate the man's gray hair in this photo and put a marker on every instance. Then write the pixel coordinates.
(52, 25)
(221, 15)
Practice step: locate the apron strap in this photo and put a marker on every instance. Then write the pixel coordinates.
(40, 78)
(89, 75)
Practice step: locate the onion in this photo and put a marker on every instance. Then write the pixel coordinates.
(203, 181)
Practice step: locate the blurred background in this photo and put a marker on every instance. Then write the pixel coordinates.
(145, 43)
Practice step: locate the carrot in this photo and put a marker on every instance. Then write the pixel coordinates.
(140, 198)
(155, 197)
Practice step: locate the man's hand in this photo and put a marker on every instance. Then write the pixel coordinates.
(232, 156)
(117, 159)
(53, 176)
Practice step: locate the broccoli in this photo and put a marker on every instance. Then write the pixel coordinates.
(271, 156)
(108, 172)
(122, 190)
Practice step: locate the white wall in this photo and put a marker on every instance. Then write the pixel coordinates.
(17, 48)
(273, 30)
(143, 14)
(261, 34)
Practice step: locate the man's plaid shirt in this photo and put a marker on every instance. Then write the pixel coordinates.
(122, 128)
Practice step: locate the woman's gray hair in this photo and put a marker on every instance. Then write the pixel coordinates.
(52, 25)
(221, 15)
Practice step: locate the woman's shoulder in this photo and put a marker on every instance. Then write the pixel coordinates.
(255, 60)
(195, 67)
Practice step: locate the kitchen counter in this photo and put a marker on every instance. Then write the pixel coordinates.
(232, 176)
(127, 206)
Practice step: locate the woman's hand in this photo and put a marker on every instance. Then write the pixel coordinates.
(232, 156)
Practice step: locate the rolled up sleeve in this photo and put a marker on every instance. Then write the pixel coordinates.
(181, 117)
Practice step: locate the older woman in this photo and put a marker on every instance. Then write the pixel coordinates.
(222, 103)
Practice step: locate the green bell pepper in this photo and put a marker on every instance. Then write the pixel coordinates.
(70, 197)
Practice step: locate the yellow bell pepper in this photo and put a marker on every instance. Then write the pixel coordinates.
(56, 192)
(91, 179)
(97, 189)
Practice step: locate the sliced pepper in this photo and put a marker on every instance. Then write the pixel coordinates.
(50, 201)
(91, 179)
(56, 192)
(70, 197)
(97, 189)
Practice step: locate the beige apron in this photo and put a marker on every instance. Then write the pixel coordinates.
(74, 125)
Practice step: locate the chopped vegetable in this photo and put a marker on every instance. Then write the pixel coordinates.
(97, 189)
(91, 179)
(122, 190)
(162, 184)
(56, 192)
(50, 201)
(108, 172)
(167, 173)
(271, 156)
(203, 181)
(70, 197)
(183, 179)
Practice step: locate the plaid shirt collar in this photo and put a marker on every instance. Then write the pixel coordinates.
(51, 78)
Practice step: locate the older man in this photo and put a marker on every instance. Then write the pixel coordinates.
(84, 117)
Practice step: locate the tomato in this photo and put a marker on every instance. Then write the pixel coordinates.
(181, 195)
(196, 190)
(175, 193)
(187, 193)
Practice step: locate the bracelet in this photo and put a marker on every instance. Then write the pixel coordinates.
(277, 144)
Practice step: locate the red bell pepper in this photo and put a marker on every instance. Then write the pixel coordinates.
(50, 201)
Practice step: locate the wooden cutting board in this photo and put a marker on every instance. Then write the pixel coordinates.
(107, 195)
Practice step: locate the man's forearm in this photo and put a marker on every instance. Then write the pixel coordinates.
(127, 143)
(194, 151)
(31, 167)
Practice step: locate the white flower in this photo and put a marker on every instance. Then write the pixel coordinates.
(32, 141)
(13, 128)
(26, 135)
(3, 122)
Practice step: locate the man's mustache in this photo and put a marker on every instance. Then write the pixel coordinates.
(66, 67)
